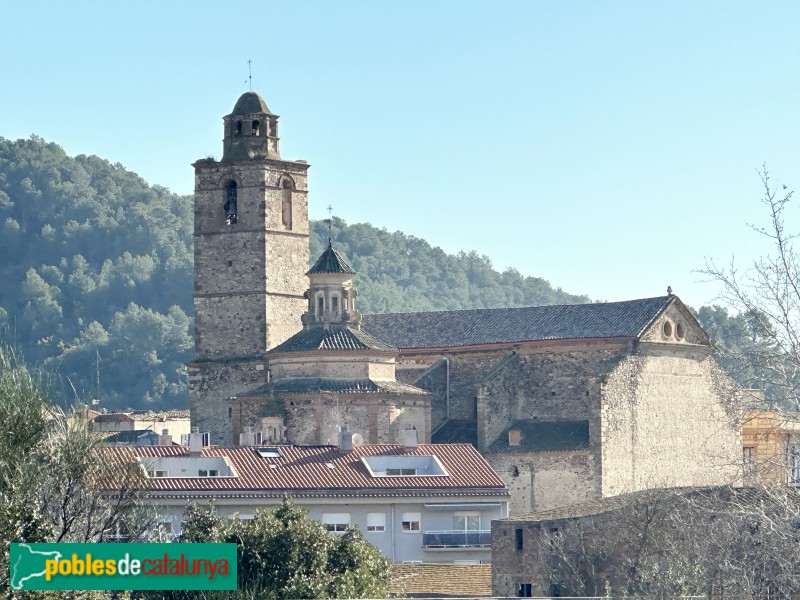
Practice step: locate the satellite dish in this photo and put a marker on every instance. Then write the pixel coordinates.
(358, 439)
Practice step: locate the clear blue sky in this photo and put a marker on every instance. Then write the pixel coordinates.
(608, 147)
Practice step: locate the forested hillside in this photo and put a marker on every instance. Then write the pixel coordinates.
(96, 268)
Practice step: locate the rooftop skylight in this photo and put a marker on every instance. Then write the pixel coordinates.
(266, 452)
(404, 466)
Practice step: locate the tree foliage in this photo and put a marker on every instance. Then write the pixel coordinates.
(282, 554)
(52, 485)
(97, 271)
(721, 544)
(764, 348)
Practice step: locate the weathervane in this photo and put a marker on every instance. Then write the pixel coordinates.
(329, 221)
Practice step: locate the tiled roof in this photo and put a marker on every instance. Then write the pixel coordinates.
(457, 431)
(339, 386)
(331, 261)
(441, 580)
(128, 437)
(304, 469)
(250, 102)
(141, 415)
(545, 436)
(334, 338)
(446, 329)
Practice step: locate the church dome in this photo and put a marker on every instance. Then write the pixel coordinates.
(331, 262)
(250, 102)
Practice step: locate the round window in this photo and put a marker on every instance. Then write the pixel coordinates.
(679, 333)
(667, 329)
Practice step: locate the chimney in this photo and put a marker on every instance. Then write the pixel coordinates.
(345, 440)
(195, 441)
(514, 436)
(165, 439)
(409, 437)
(250, 438)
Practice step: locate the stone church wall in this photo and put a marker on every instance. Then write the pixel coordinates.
(379, 418)
(543, 383)
(667, 420)
(211, 385)
(542, 481)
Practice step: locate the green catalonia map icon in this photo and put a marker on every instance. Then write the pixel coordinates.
(28, 564)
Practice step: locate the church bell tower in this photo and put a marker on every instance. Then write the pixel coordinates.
(250, 256)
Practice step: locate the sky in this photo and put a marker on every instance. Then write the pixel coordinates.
(611, 148)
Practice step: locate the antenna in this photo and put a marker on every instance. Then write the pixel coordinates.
(97, 368)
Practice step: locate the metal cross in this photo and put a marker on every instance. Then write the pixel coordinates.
(250, 73)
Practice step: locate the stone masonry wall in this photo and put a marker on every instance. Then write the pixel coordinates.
(211, 384)
(542, 481)
(379, 418)
(467, 368)
(667, 420)
(544, 383)
(511, 564)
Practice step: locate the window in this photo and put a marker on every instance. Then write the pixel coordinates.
(256, 128)
(337, 522)
(238, 128)
(376, 522)
(748, 454)
(524, 590)
(390, 472)
(208, 473)
(320, 306)
(467, 521)
(410, 521)
(518, 540)
(555, 539)
(286, 203)
(160, 473)
(230, 203)
(335, 305)
(794, 464)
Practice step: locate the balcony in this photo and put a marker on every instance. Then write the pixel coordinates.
(454, 539)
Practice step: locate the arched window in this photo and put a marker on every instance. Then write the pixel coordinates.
(256, 126)
(230, 203)
(286, 203)
(320, 306)
(238, 130)
(335, 305)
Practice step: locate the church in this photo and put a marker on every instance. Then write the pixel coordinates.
(566, 403)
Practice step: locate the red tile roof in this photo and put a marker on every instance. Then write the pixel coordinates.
(303, 470)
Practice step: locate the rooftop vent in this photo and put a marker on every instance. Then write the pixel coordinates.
(514, 437)
(345, 440)
(251, 438)
(410, 437)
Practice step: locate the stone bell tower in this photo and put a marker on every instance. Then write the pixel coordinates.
(250, 254)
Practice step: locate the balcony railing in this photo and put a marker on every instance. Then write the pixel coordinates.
(456, 539)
